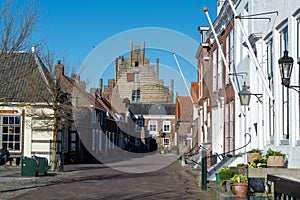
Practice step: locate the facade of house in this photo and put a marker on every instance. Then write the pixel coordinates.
(217, 99)
(151, 110)
(93, 118)
(26, 105)
(251, 47)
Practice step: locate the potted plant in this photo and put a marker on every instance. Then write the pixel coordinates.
(224, 175)
(161, 149)
(254, 153)
(258, 163)
(275, 158)
(240, 185)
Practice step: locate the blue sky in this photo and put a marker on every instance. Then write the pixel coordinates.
(74, 29)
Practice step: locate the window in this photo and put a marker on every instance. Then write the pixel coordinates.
(214, 71)
(298, 56)
(220, 67)
(231, 61)
(298, 38)
(152, 125)
(270, 73)
(93, 115)
(285, 91)
(166, 142)
(283, 40)
(136, 95)
(231, 125)
(136, 63)
(136, 77)
(167, 126)
(11, 132)
(227, 59)
(226, 127)
(138, 125)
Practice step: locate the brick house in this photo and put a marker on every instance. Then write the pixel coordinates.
(151, 109)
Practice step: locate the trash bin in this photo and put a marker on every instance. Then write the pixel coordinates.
(43, 168)
(29, 166)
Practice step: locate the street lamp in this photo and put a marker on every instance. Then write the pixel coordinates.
(286, 67)
(245, 95)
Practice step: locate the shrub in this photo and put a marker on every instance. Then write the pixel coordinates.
(226, 173)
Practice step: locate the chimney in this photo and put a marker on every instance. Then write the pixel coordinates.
(33, 49)
(116, 69)
(59, 69)
(100, 86)
(76, 77)
(157, 68)
(172, 89)
(143, 51)
(131, 52)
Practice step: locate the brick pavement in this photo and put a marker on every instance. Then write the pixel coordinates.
(97, 181)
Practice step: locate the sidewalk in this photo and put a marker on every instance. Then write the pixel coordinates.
(13, 184)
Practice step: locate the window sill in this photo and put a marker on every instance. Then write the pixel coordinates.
(284, 142)
(271, 141)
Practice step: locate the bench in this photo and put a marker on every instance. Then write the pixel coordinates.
(285, 186)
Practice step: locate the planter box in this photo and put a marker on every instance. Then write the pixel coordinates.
(275, 161)
(251, 156)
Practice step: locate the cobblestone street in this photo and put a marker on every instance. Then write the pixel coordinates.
(97, 181)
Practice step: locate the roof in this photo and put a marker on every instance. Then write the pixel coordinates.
(184, 108)
(152, 109)
(24, 78)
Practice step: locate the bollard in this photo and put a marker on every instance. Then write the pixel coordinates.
(204, 173)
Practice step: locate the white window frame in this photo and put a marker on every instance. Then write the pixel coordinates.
(138, 125)
(152, 126)
(220, 67)
(214, 57)
(166, 142)
(167, 124)
(284, 100)
(11, 127)
(227, 59)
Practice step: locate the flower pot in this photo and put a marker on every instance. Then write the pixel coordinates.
(275, 161)
(228, 186)
(251, 156)
(240, 189)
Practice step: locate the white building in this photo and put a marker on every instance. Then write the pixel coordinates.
(262, 30)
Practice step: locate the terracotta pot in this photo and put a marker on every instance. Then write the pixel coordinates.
(275, 161)
(240, 189)
(251, 156)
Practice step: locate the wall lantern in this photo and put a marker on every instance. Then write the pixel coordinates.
(286, 67)
(245, 95)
